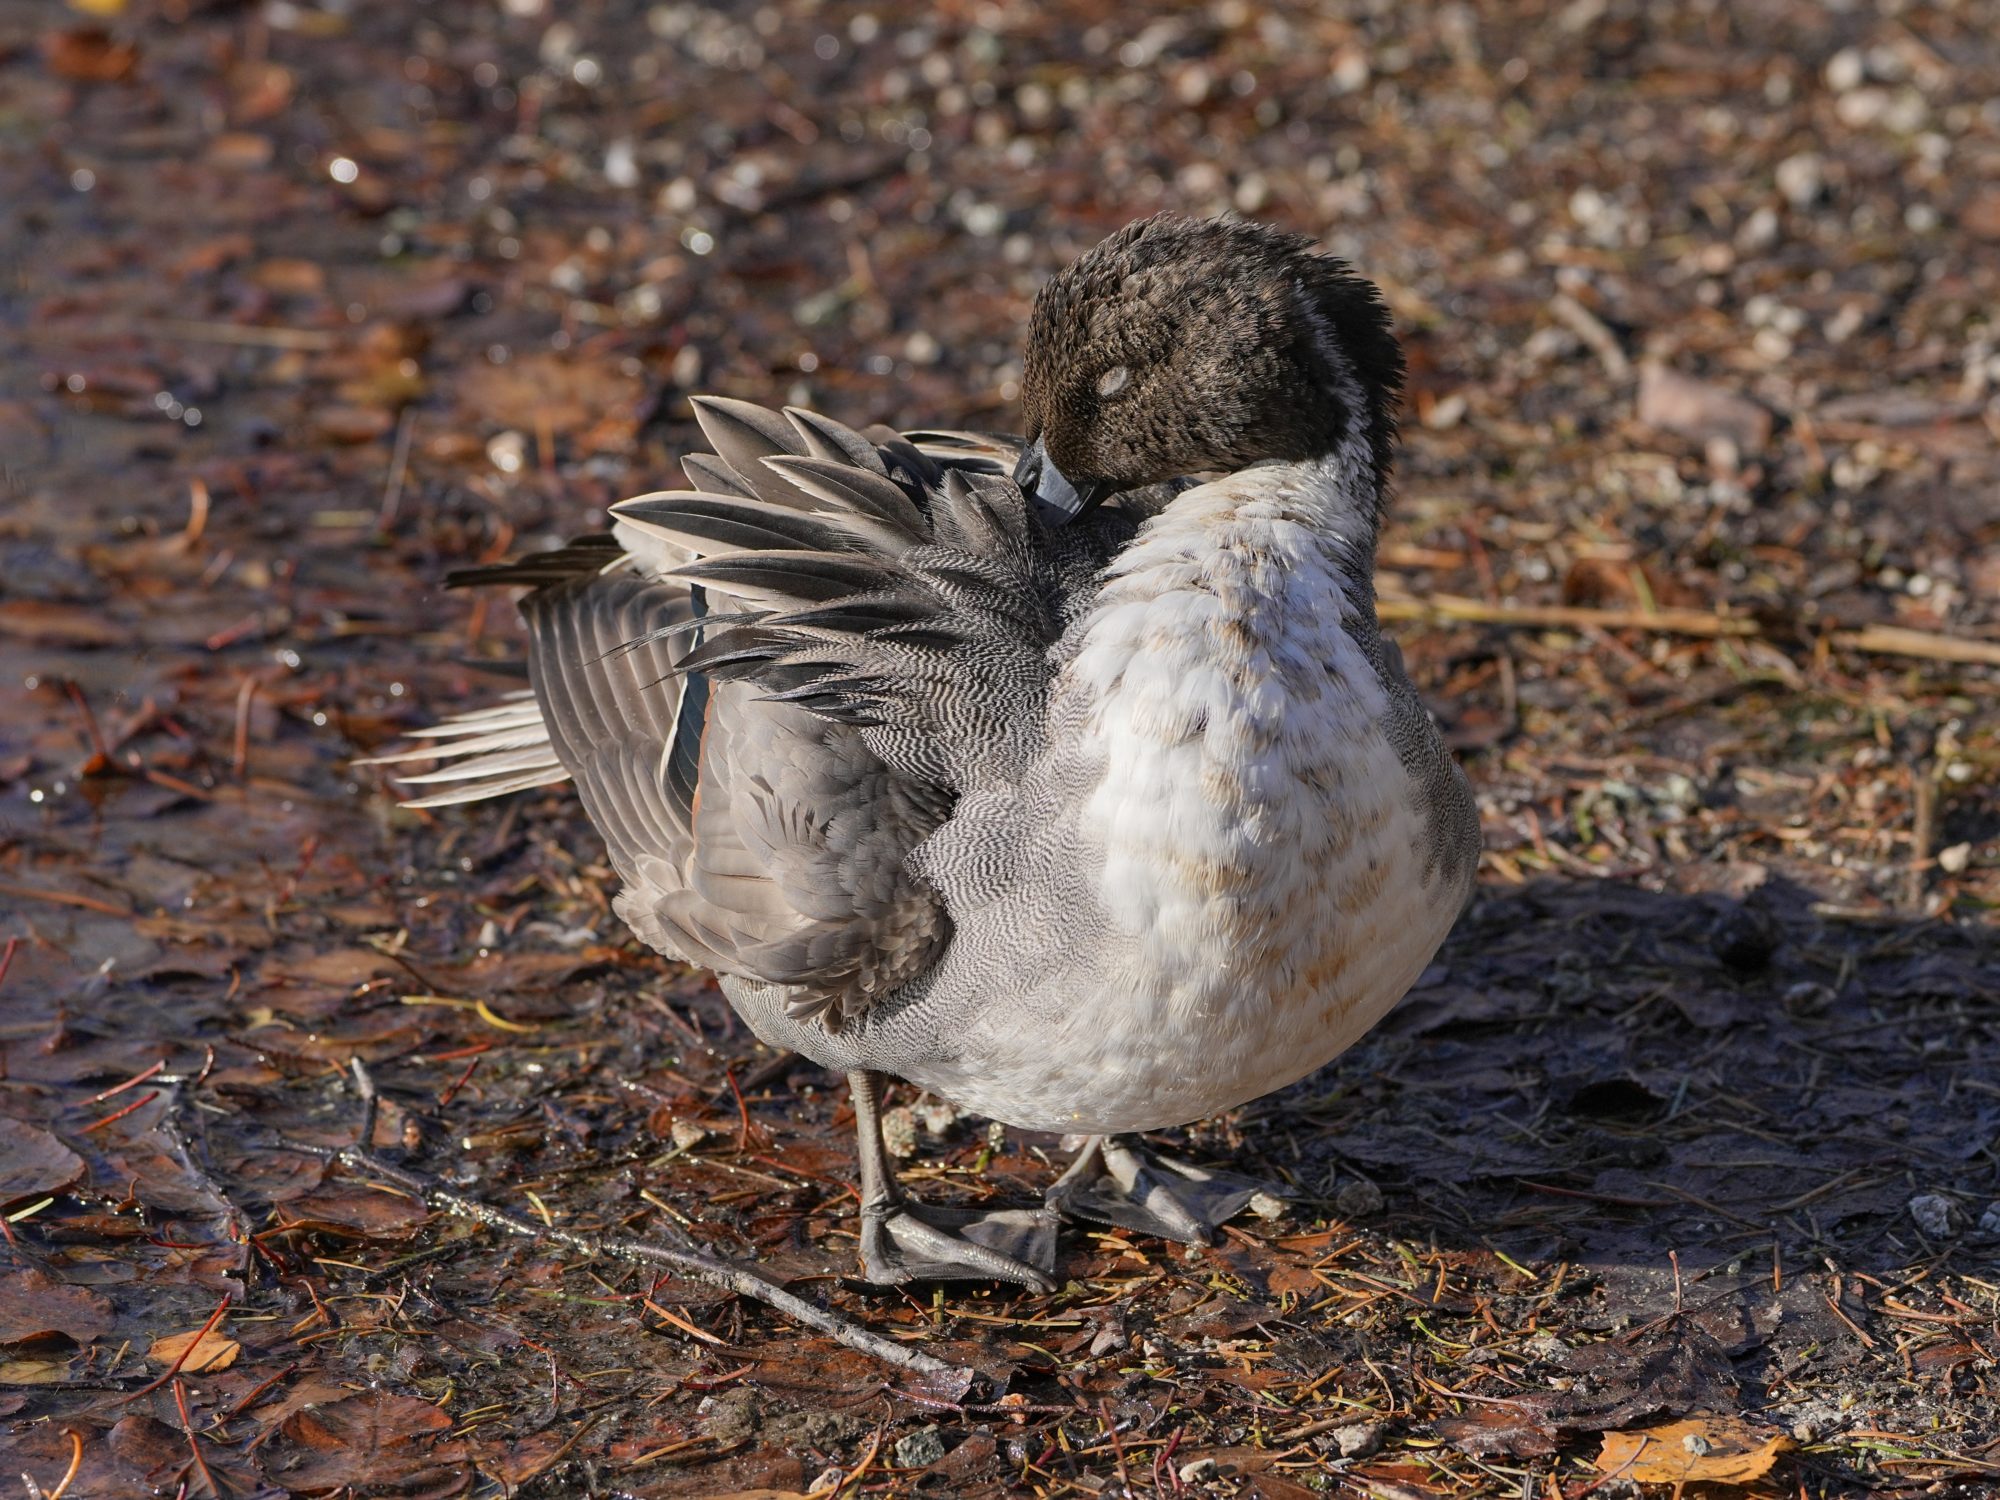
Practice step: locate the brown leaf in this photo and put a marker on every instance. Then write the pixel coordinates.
(354, 1213)
(210, 256)
(353, 424)
(533, 391)
(262, 89)
(35, 1371)
(33, 1163)
(48, 623)
(1709, 1449)
(205, 1351)
(290, 276)
(1271, 1487)
(1503, 1428)
(1674, 402)
(34, 1304)
(341, 966)
(241, 149)
(374, 1440)
(87, 54)
(1982, 214)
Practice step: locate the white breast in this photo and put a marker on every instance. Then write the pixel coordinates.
(1262, 854)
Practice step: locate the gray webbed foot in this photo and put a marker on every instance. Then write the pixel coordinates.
(1118, 1182)
(902, 1240)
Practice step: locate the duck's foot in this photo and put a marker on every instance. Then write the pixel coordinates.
(902, 1240)
(1119, 1182)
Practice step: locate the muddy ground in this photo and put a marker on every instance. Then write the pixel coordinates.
(1696, 555)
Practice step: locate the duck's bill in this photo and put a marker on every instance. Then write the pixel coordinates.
(1055, 499)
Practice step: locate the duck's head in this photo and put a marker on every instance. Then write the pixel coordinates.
(1185, 346)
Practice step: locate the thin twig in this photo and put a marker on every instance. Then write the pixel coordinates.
(695, 1264)
(75, 1462)
(197, 521)
(1567, 616)
(192, 1345)
(399, 465)
(1595, 333)
(1898, 640)
(194, 1446)
(1878, 640)
(1117, 1444)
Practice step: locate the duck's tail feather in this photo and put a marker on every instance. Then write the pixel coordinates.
(789, 511)
(483, 752)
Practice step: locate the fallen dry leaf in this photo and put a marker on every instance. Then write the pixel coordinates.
(34, 1304)
(1693, 408)
(373, 1439)
(1709, 1449)
(1982, 214)
(1502, 1428)
(88, 55)
(33, 1162)
(205, 1351)
(33, 1371)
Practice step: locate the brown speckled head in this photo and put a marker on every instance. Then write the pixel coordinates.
(1179, 346)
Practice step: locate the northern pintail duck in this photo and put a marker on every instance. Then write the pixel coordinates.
(1084, 795)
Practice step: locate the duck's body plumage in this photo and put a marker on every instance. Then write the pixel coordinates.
(1093, 827)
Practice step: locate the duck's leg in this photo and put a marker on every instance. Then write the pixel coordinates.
(903, 1240)
(1120, 1182)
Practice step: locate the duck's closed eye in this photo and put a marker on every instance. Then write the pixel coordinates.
(1113, 380)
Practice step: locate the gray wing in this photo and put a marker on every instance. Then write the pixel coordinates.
(760, 814)
(917, 607)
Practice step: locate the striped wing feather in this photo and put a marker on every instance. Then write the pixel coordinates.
(770, 687)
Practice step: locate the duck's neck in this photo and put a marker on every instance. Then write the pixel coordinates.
(1268, 558)
(1335, 494)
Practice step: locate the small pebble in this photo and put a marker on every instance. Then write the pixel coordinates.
(1358, 1440)
(1358, 1199)
(1847, 69)
(1989, 1222)
(1933, 1214)
(919, 1449)
(1267, 1206)
(899, 1132)
(1744, 937)
(507, 452)
(1759, 231)
(1446, 413)
(935, 1115)
(1802, 178)
(621, 164)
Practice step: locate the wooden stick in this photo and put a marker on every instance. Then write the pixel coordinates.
(1896, 640)
(694, 1263)
(1878, 640)
(1566, 616)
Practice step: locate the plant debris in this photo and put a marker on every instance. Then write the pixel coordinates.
(1693, 1129)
